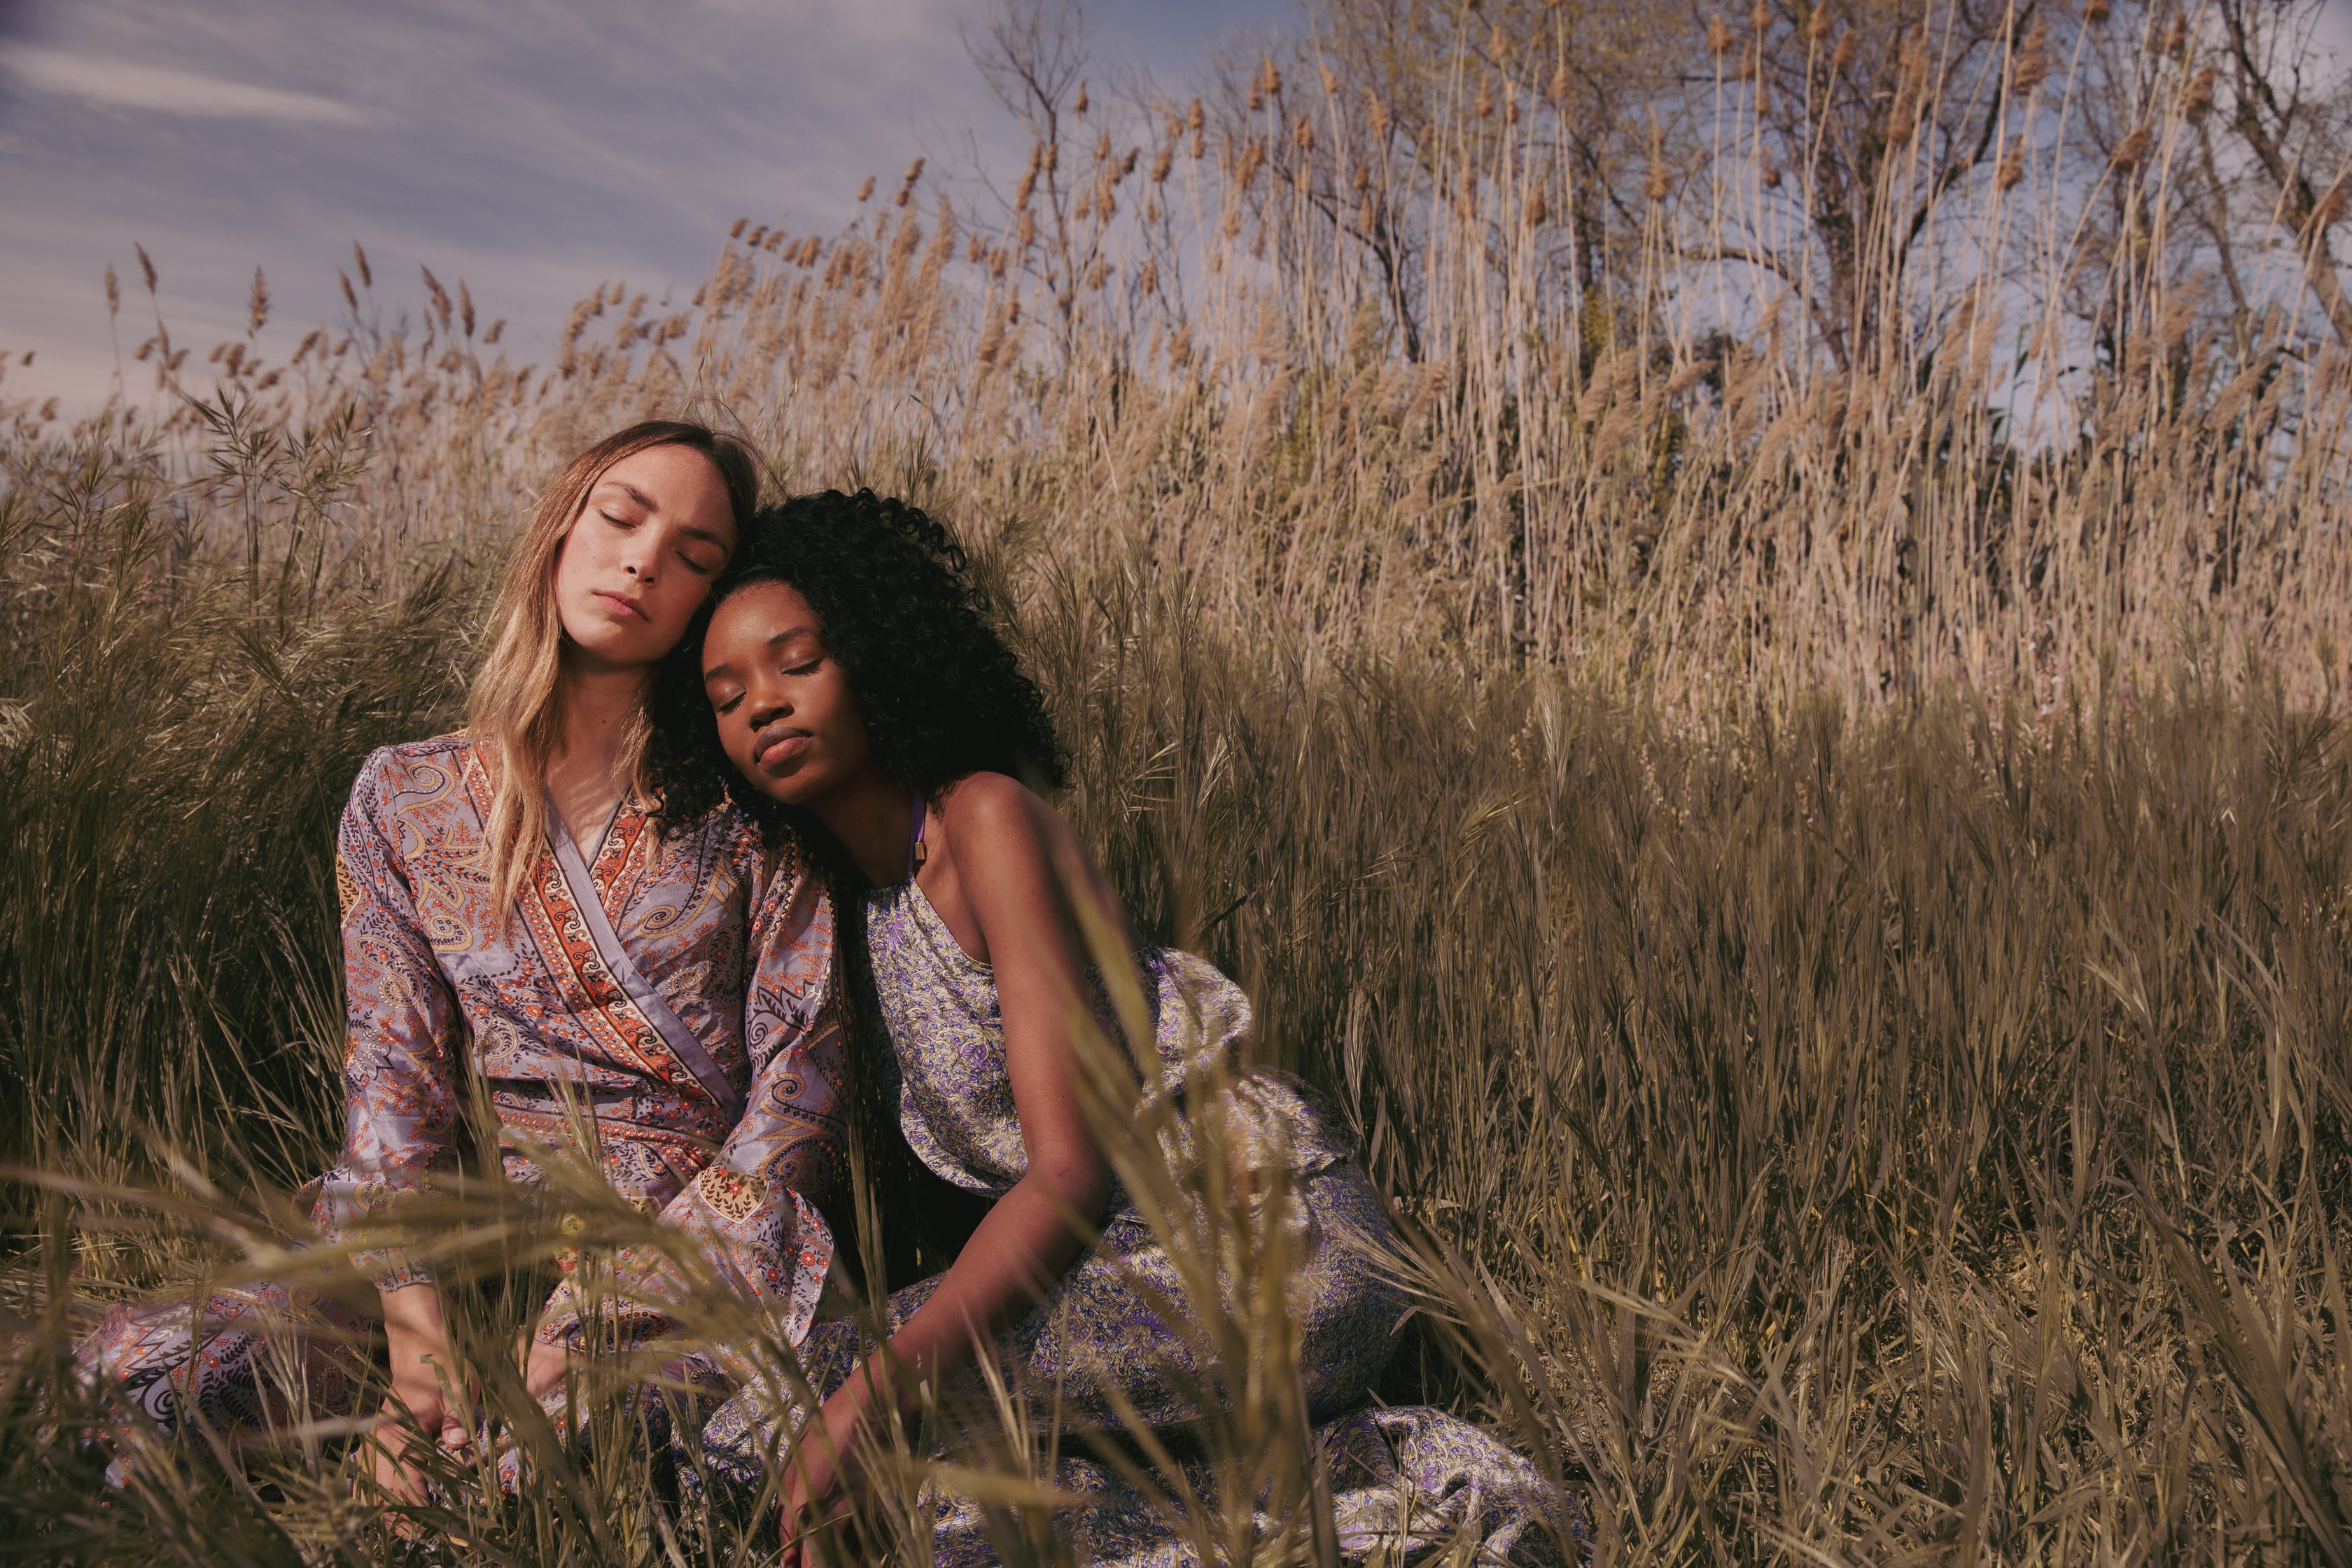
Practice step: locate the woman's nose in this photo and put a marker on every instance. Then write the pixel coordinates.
(767, 706)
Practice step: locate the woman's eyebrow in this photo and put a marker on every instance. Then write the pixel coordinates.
(717, 670)
(629, 490)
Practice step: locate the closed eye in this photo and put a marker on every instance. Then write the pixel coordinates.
(811, 668)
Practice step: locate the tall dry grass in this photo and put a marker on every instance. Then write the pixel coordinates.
(1819, 875)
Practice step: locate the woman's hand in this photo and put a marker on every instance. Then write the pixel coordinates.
(543, 1366)
(424, 1377)
(817, 1492)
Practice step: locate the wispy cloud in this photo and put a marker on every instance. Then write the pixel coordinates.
(162, 90)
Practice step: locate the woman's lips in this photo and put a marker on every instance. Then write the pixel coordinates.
(626, 607)
(786, 748)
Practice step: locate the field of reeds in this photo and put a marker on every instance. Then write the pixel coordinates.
(1804, 822)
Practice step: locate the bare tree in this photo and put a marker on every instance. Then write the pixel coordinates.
(2296, 133)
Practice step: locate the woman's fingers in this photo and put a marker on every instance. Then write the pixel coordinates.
(544, 1368)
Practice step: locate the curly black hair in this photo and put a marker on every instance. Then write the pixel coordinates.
(943, 698)
(942, 695)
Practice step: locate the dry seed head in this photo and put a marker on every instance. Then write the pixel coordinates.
(1256, 97)
(1252, 154)
(1127, 164)
(1498, 48)
(1719, 36)
(1817, 25)
(1511, 109)
(2133, 148)
(146, 267)
(1080, 105)
(1484, 107)
(1843, 55)
(758, 235)
(497, 330)
(2032, 68)
(2095, 11)
(2197, 103)
(866, 189)
(256, 307)
(1536, 211)
(1102, 147)
(1146, 277)
(1163, 163)
(2012, 165)
(1053, 156)
(1302, 134)
(2176, 37)
(350, 298)
(1655, 188)
(1330, 82)
(1758, 19)
(440, 296)
(973, 250)
(735, 229)
(1561, 83)
(367, 277)
(2332, 207)
(466, 306)
(113, 292)
(1273, 77)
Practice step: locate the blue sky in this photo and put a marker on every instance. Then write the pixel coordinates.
(531, 147)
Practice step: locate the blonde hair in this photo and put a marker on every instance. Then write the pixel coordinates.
(515, 712)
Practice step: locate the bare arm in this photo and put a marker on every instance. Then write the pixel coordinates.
(994, 871)
(1003, 848)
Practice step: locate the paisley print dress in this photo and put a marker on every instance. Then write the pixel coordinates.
(675, 989)
(1110, 1345)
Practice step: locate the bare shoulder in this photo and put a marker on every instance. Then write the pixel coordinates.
(997, 807)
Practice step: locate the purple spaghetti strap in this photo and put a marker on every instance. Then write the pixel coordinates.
(915, 836)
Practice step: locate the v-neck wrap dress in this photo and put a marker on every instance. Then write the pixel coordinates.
(673, 989)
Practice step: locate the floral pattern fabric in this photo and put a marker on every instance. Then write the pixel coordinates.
(737, 942)
(1118, 1340)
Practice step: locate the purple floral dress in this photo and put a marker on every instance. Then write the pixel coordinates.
(674, 989)
(1117, 1340)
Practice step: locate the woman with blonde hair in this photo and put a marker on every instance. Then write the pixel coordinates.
(514, 909)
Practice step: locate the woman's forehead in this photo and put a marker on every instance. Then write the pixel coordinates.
(765, 611)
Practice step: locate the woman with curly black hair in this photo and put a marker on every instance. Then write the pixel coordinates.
(849, 685)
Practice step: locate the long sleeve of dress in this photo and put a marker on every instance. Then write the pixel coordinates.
(750, 1213)
(402, 1036)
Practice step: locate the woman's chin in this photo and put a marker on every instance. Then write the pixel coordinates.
(615, 647)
